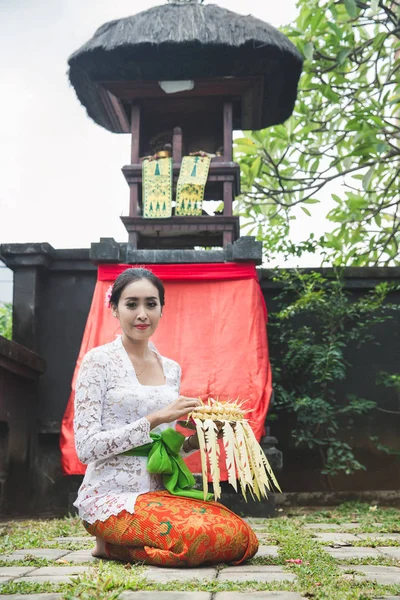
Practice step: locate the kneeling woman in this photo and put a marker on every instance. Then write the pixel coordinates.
(125, 390)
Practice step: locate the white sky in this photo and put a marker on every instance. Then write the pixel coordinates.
(60, 173)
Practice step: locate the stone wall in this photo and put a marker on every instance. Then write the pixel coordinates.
(20, 370)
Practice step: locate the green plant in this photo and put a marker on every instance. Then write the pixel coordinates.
(344, 130)
(6, 320)
(311, 332)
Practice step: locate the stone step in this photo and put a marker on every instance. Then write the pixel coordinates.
(265, 573)
(382, 575)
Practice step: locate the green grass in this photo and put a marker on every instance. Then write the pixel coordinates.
(27, 561)
(33, 534)
(367, 517)
(376, 543)
(318, 575)
(384, 561)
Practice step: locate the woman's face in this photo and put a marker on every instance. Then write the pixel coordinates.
(139, 310)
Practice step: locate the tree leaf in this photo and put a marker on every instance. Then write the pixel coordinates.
(342, 55)
(374, 5)
(351, 7)
(309, 50)
(367, 178)
(244, 149)
(244, 140)
(335, 28)
(304, 209)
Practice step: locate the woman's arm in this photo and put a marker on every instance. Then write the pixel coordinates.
(91, 440)
(191, 443)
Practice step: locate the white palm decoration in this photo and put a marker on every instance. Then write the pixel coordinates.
(244, 458)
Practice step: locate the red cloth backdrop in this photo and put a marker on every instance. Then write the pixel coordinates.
(213, 325)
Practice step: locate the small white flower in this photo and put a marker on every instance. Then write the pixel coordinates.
(107, 297)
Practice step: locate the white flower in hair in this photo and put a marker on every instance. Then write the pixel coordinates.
(107, 297)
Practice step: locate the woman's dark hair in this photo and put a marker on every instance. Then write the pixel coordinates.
(135, 274)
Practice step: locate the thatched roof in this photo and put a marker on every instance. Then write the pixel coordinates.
(187, 41)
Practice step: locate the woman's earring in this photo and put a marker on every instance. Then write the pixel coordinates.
(114, 314)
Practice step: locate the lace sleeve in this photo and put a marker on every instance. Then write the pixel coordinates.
(177, 379)
(91, 440)
(177, 384)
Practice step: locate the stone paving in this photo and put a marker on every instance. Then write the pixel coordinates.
(71, 563)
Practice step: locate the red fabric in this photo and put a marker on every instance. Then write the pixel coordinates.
(213, 327)
(189, 272)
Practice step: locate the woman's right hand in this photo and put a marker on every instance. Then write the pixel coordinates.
(174, 411)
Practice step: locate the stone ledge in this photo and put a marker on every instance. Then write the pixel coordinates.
(354, 277)
(258, 595)
(20, 360)
(164, 575)
(31, 596)
(107, 250)
(382, 575)
(164, 595)
(320, 499)
(259, 573)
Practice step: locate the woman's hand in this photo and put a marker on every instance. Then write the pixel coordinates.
(174, 411)
(191, 443)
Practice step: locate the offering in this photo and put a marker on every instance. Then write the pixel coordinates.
(244, 457)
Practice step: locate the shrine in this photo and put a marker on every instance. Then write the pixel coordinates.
(179, 78)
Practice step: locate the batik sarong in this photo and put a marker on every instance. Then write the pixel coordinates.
(172, 531)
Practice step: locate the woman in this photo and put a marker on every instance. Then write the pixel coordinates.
(124, 391)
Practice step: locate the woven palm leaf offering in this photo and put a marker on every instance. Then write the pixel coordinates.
(244, 458)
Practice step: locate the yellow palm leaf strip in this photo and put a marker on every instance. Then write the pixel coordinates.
(253, 487)
(260, 479)
(264, 459)
(259, 458)
(203, 454)
(211, 431)
(251, 493)
(238, 464)
(254, 468)
(243, 451)
(228, 439)
(256, 451)
(245, 477)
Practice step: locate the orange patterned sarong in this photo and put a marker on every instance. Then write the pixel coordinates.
(173, 531)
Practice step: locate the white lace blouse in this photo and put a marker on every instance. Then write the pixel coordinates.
(110, 410)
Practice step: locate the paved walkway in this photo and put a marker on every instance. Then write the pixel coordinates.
(68, 564)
